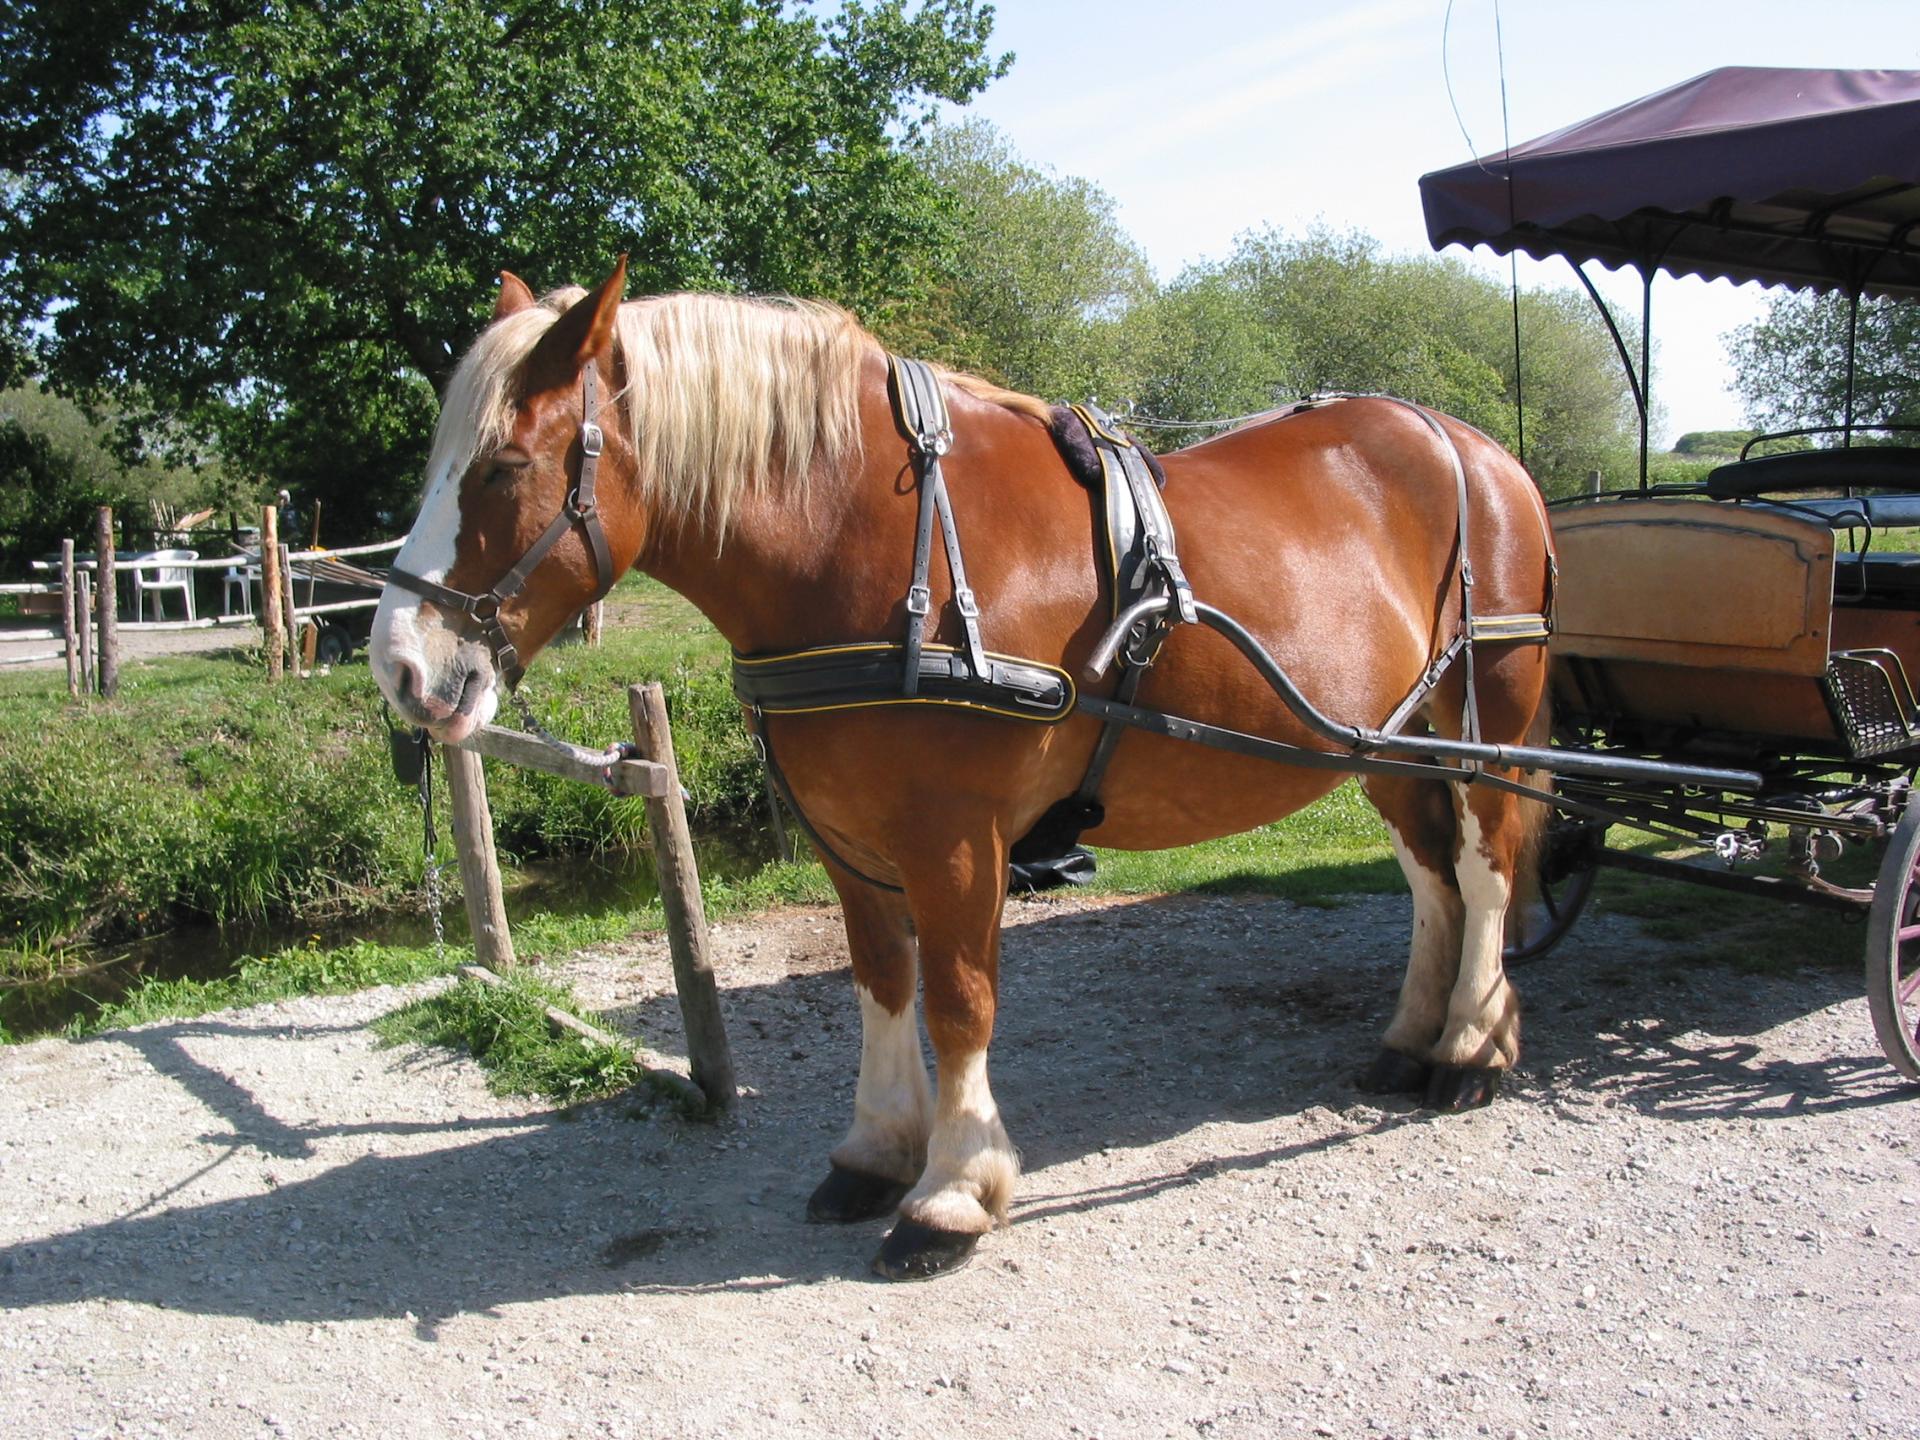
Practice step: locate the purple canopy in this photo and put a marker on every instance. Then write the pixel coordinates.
(1808, 178)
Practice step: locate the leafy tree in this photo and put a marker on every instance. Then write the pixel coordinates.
(275, 223)
(1790, 367)
(57, 463)
(1284, 316)
(1036, 279)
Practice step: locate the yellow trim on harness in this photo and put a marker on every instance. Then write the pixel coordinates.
(1009, 712)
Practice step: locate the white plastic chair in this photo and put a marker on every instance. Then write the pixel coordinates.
(242, 576)
(149, 576)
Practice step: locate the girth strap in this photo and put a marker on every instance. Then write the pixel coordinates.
(921, 406)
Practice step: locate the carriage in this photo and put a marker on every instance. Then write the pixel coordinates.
(1759, 618)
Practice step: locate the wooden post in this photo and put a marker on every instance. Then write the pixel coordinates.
(590, 623)
(711, 1061)
(479, 864)
(67, 627)
(270, 589)
(83, 621)
(105, 602)
(283, 568)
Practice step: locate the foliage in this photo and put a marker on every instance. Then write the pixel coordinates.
(1038, 277)
(1791, 365)
(505, 1028)
(57, 463)
(202, 793)
(297, 970)
(1285, 316)
(1712, 442)
(277, 226)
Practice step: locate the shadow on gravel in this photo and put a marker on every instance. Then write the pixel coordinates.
(1126, 1027)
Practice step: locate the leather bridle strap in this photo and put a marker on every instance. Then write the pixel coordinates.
(581, 508)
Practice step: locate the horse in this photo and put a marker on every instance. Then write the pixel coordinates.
(746, 455)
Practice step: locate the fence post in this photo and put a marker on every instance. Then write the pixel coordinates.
(83, 622)
(270, 588)
(590, 623)
(283, 570)
(707, 1050)
(479, 862)
(105, 601)
(66, 620)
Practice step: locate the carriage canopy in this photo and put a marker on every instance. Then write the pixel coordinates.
(1807, 178)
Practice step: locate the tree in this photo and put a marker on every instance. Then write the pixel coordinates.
(1037, 276)
(1284, 316)
(1790, 367)
(277, 224)
(57, 463)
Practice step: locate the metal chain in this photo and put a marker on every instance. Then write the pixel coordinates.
(430, 875)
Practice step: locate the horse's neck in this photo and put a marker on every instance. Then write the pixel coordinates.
(782, 571)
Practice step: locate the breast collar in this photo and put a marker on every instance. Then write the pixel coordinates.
(580, 509)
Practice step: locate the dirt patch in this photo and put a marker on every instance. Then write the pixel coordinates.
(1692, 1213)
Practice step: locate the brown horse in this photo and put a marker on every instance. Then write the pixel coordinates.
(754, 464)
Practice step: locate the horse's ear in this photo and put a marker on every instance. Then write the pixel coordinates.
(514, 296)
(586, 330)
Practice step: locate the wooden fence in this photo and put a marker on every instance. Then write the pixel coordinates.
(657, 777)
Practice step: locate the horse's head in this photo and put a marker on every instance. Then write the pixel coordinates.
(522, 525)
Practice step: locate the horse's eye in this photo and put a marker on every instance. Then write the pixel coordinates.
(505, 472)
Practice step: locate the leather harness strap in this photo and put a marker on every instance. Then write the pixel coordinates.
(921, 405)
(581, 508)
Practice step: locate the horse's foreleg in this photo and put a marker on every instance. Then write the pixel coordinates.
(1420, 822)
(886, 1149)
(1482, 1035)
(971, 1165)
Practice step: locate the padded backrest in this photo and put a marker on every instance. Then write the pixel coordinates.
(1864, 467)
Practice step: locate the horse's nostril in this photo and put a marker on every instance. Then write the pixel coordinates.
(406, 681)
(470, 691)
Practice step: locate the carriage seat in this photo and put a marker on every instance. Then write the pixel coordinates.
(1862, 467)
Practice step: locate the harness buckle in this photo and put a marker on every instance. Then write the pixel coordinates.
(919, 600)
(935, 443)
(579, 511)
(484, 607)
(963, 601)
(592, 438)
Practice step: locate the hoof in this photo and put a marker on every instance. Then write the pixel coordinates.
(1454, 1088)
(1395, 1073)
(913, 1251)
(846, 1196)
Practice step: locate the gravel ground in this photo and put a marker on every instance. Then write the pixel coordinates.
(1694, 1212)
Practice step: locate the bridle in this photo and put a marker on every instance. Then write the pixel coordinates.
(580, 509)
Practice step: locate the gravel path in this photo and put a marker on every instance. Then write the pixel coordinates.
(1694, 1212)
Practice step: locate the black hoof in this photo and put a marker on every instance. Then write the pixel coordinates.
(846, 1196)
(913, 1251)
(1454, 1088)
(1395, 1073)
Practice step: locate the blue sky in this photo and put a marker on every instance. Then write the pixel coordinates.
(1207, 118)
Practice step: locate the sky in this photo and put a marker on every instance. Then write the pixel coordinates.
(1208, 118)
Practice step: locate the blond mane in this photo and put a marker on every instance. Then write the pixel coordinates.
(724, 396)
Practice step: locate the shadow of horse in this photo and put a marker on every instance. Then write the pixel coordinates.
(1128, 1026)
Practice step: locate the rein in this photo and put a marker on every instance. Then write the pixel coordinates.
(580, 509)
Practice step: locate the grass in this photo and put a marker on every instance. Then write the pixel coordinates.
(200, 793)
(505, 1028)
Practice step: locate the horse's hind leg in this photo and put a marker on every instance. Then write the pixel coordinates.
(1482, 1035)
(1421, 823)
(886, 1149)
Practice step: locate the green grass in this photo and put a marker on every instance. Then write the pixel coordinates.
(505, 1028)
(201, 793)
(299, 970)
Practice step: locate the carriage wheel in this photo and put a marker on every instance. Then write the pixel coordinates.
(1893, 948)
(1569, 860)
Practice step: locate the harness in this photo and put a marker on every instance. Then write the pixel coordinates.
(580, 509)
